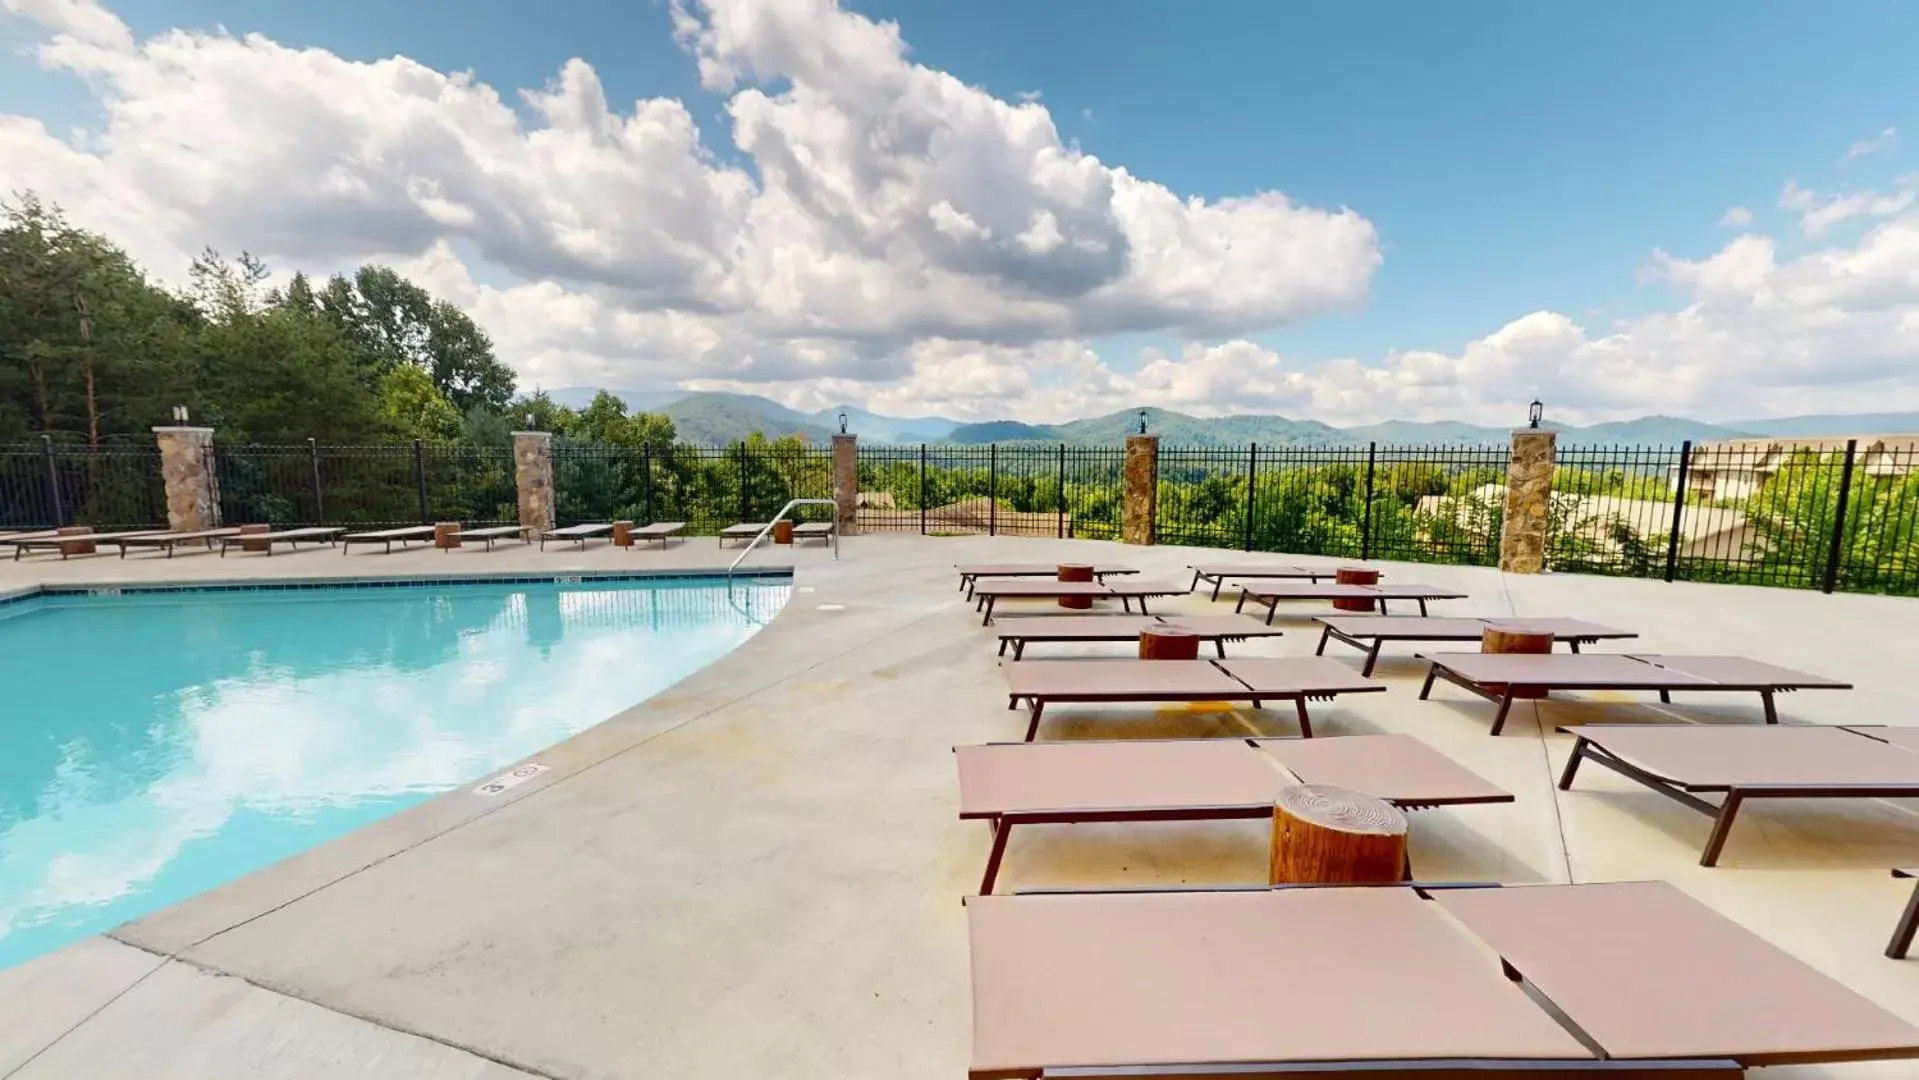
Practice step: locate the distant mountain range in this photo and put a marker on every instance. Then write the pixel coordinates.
(716, 419)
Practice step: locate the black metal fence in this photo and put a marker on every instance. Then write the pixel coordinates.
(708, 488)
(1834, 515)
(1017, 489)
(366, 486)
(48, 484)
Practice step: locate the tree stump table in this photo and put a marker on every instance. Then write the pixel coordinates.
(1076, 572)
(622, 534)
(1325, 835)
(1168, 643)
(80, 545)
(255, 545)
(446, 535)
(782, 531)
(1355, 575)
(1507, 639)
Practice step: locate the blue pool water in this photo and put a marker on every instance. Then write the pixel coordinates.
(155, 745)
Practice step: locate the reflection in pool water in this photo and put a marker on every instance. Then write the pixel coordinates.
(155, 745)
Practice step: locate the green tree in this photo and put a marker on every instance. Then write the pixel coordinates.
(392, 323)
(415, 408)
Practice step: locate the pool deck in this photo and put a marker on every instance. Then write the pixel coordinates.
(758, 872)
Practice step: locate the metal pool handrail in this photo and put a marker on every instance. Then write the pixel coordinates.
(768, 527)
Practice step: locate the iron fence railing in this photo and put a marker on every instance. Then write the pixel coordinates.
(48, 484)
(365, 486)
(1833, 515)
(708, 488)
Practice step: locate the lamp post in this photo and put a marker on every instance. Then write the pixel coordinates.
(1142, 421)
(842, 423)
(179, 414)
(1534, 412)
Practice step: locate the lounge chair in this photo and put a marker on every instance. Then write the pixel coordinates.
(1008, 784)
(1217, 573)
(290, 537)
(1369, 632)
(30, 534)
(1629, 979)
(488, 534)
(578, 533)
(72, 543)
(1218, 629)
(1684, 761)
(1271, 595)
(1908, 920)
(661, 531)
(1503, 677)
(987, 592)
(744, 531)
(1042, 682)
(813, 530)
(171, 540)
(402, 536)
(969, 573)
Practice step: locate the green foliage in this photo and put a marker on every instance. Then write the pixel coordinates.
(415, 408)
(91, 350)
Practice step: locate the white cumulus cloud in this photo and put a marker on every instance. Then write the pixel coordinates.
(901, 239)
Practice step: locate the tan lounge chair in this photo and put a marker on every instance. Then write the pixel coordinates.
(1008, 784)
(1908, 920)
(1369, 632)
(660, 531)
(744, 531)
(1502, 677)
(1218, 629)
(971, 572)
(988, 592)
(580, 533)
(1739, 764)
(388, 537)
(1217, 573)
(489, 533)
(813, 530)
(1272, 595)
(70, 543)
(290, 537)
(1039, 683)
(1631, 980)
(171, 540)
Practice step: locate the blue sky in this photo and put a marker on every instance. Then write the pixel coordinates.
(1513, 157)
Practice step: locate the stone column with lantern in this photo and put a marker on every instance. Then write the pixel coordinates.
(1529, 489)
(846, 479)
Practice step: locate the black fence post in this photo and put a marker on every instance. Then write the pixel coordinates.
(743, 505)
(1678, 508)
(1366, 523)
(1839, 519)
(319, 495)
(1252, 481)
(646, 483)
(1062, 491)
(419, 478)
(53, 484)
(922, 489)
(992, 489)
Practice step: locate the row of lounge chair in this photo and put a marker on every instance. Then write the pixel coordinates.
(1618, 980)
(68, 543)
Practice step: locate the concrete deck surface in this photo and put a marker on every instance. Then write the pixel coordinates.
(758, 872)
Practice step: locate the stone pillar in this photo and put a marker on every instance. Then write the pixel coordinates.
(846, 482)
(1529, 490)
(1142, 489)
(533, 475)
(186, 467)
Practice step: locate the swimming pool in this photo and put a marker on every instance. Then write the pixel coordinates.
(156, 743)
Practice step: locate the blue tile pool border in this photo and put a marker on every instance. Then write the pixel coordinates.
(582, 577)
